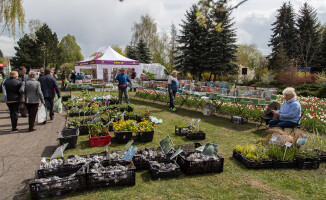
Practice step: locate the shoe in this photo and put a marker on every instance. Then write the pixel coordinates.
(51, 118)
(44, 122)
(174, 109)
(30, 130)
(14, 129)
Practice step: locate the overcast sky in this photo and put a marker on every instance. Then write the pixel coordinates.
(97, 23)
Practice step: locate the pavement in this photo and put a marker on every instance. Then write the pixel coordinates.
(21, 151)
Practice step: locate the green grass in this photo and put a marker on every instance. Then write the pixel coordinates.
(236, 182)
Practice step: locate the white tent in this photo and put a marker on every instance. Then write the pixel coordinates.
(106, 62)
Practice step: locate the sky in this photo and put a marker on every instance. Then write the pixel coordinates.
(98, 23)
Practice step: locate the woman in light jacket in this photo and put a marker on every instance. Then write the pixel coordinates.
(33, 94)
(173, 85)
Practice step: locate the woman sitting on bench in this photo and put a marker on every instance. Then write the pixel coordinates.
(290, 112)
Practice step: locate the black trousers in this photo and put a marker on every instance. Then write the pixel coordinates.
(49, 102)
(14, 110)
(32, 111)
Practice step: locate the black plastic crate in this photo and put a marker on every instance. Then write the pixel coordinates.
(250, 164)
(321, 155)
(69, 136)
(123, 137)
(182, 131)
(158, 174)
(73, 114)
(279, 164)
(62, 171)
(145, 136)
(105, 179)
(239, 120)
(195, 167)
(65, 185)
(87, 156)
(307, 163)
(140, 162)
(200, 135)
(66, 97)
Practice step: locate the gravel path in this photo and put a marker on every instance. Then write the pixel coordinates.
(21, 152)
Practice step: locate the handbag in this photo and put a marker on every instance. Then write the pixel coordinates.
(22, 95)
(4, 93)
(123, 86)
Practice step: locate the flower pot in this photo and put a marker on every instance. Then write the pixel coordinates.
(123, 137)
(69, 136)
(99, 141)
(145, 136)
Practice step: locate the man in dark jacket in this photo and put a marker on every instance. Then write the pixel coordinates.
(48, 86)
(122, 78)
(12, 86)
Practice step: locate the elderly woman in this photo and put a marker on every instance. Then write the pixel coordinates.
(290, 112)
(33, 94)
(12, 86)
(173, 85)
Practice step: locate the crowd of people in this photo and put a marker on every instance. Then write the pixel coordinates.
(25, 93)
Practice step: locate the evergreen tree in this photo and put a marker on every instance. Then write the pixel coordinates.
(143, 52)
(1, 54)
(131, 52)
(48, 42)
(27, 53)
(320, 59)
(285, 33)
(281, 59)
(309, 35)
(221, 55)
(191, 45)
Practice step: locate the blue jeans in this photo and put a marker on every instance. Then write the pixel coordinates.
(172, 96)
(282, 124)
(123, 91)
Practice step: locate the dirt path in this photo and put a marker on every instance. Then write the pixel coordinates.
(21, 152)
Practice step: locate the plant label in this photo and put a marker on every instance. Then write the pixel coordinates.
(302, 141)
(274, 139)
(176, 153)
(197, 122)
(190, 124)
(130, 153)
(59, 151)
(166, 144)
(288, 144)
(125, 148)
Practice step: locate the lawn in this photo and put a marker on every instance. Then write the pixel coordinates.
(236, 182)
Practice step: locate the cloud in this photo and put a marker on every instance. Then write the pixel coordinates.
(7, 46)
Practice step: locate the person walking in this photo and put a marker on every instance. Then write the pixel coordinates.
(12, 86)
(173, 85)
(123, 78)
(72, 77)
(33, 96)
(22, 77)
(48, 86)
(63, 80)
(41, 72)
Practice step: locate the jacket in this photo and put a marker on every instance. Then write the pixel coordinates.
(290, 111)
(32, 90)
(123, 78)
(173, 84)
(22, 77)
(48, 84)
(12, 86)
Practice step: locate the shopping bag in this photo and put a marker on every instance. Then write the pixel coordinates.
(57, 106)
(4, 93)
(41, 114)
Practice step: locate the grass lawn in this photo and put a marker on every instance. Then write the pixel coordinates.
(236, 182)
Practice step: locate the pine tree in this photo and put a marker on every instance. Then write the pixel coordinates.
(319, 61)
(131, 52)
(285, 33)
(191, 45)
(27, 53)
(221, 55)
(1, 54)
(143, 52)
(309, 35)
(281, 59)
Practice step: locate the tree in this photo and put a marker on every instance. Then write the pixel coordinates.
(11, 13)
(285, 33)
(48, 42)
(191, 45)
(172, 48)
(27, 53)
(1, 54)
(34, 25)
(118, 49)
(249, 56)
(161, 52)
(131, 52)
(146, 30)
(69, 50)
(320, 58)
(281, 59)
(309, 35)
(143, 52)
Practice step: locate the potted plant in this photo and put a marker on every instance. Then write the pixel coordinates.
(307, 159)
(145, 131)
(98, 134)
(252, 156)
(123, 130)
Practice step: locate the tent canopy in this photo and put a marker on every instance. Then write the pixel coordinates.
(2, 65)
(106, 55)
